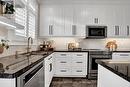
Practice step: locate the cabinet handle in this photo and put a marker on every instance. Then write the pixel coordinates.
(78, 70)
(63, 70)
(73, 29)
(49, 58)
(128, 30)
(50, 67)
(50, 29)
(116, 30)
(79, 55)
(124, 54)
(63, 62)
(96, 20)
(79, 62)
(63, 54)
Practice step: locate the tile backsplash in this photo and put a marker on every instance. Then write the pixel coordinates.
(61, 43)
(13, 48)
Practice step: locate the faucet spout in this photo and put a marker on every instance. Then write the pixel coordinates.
(28, 46)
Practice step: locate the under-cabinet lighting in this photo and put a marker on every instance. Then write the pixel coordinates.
(7, 24)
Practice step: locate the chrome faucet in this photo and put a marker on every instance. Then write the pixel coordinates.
(28, 46)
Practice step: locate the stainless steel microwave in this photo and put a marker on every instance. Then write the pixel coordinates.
(96, 32)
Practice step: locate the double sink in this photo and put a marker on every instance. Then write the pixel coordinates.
(25, 59)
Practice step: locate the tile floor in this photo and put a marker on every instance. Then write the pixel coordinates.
(73, 82)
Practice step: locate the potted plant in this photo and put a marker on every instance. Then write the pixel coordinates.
(3, 44)
(9, 10)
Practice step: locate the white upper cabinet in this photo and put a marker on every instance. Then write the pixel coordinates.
(58, 25)
(68, 20)
(96, 15)
(118, 27)
(71, 21)
(80, 20)
(46, 21)
(51, 21)
(127, 20)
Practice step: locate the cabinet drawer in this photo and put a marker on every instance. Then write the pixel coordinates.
(121, 56)
(80, 55)
(79, 71)
(62, 55)
(80, 63)
(62, 63)
(63, 71)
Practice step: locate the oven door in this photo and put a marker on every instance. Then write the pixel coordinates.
(93, 66)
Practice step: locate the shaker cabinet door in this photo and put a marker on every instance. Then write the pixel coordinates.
(46, 21)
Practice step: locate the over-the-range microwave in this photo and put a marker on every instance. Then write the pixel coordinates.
(96, 32)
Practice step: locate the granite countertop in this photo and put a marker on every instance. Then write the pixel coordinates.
(66, 50)
(21, 67)
(88, 50)
(121, 68)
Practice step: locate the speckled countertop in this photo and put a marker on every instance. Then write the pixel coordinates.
(17, 69)
(121, 68)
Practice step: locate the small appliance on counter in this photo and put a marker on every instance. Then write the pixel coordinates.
(46, 46)
(111, 45)
(73, 46)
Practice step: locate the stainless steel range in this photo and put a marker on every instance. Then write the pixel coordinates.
(93, 66)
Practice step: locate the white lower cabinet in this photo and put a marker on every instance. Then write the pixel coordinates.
(48, 70)
(106, 78)
(71, 64)
(62, 71)
(79, 71)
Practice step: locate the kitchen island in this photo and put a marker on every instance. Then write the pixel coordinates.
(113, 73)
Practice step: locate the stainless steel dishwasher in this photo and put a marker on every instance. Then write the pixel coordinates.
(32, 78)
